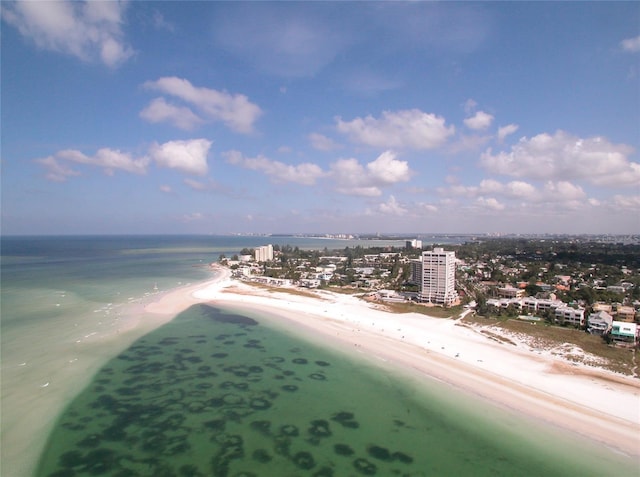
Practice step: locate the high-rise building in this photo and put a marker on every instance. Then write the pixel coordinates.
(438, 277)
(415, 243)
(264, 253)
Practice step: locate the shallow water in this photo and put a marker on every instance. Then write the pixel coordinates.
(217, 393)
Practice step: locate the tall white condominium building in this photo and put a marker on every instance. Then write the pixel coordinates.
(439, 277)
(264, 253)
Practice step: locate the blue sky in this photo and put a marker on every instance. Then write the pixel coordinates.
(267, 117)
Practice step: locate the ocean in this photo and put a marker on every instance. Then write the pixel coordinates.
(90, 388)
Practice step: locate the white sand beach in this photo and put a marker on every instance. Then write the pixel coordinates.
(593, 402)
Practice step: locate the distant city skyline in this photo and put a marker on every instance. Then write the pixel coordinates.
(320, 117)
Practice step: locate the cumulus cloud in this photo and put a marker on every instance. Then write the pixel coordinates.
(558, 193)
(189, 156)
(563, 156)
(386, 169)
(631, 45)
(392, 207)
(108, 159)
(412, 129)
(631, 202)
(352, 178)
(505, 131)
(89, 31)
(563, 191)
(57, 171)
(234, 110)
(322, 142)
(490, 203)
(479, 121)
(306, 173)
(180, 116)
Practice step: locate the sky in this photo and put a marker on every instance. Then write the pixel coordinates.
(320, 117)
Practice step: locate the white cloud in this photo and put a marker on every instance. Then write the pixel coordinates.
(87, 30)
(490, 203)
(470, 105)
(479, 121)
(306, 173)
(518, 193)
(322, 142)
(180, 116)
(386, 169)
(352, 178)
(520, 190)
(631, 202)
(234, 110)
(108, 159)
(631, 44)
(195, 185)
(429, 208)
(193, 217)
(189, 156)
(401, 129)
(505, 131)
(392, 207)
(56, 170)
(167, 189)
(566, 157)
(563, 191)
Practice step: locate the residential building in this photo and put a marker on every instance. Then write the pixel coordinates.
(510, 292)
(599, 323)
(623, 332)
(625, 313)
(602, 307)
(570, 316)
(415, 243)
(416, 272)
(438, 283)
(264, 253)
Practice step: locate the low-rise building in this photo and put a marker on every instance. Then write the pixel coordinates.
(599, 323)
(571, 316)
(625, 313)
(624, 333)
(602, 307)
(510, 292)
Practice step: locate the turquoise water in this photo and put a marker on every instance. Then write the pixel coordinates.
(217, 393)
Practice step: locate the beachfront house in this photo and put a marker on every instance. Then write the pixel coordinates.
(624, 333)
(570, 316)
(599, 323)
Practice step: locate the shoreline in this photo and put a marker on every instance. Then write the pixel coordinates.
(517, 380)
(37, 388)
(599, 405)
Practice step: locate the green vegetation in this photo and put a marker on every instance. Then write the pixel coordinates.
(543, 336)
